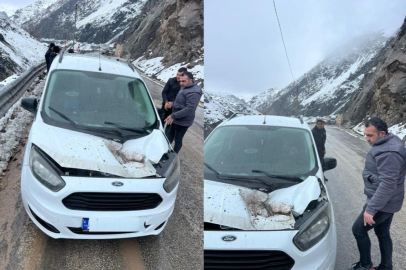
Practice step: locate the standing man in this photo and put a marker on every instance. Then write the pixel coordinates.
(170, 92)
(48, 53)
(384, 177)
(183, 110)
(319, 134)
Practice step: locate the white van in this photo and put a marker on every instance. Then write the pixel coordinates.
(266, 205)
(97, 162)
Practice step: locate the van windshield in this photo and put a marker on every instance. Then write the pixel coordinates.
(238, 150)
(96, 100)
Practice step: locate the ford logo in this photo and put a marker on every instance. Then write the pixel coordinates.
(229, 238)
(117, 184)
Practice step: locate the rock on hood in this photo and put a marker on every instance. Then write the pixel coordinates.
(249, 209)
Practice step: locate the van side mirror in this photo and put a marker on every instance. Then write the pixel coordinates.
(329, 163)
(30, 104)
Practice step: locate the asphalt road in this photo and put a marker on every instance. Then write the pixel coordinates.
(179, 246)
(345, 187)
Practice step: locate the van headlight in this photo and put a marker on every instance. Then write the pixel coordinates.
(173, 176)
(44, 171)
(313, 230)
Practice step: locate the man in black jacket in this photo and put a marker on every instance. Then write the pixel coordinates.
(48, 53)
(169, 94)
(184, 109)
(319, 134)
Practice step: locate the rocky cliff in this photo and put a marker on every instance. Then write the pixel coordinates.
(382, 92)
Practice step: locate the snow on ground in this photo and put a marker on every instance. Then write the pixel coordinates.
(22, 48)
(399, 130)
(14, 123)
(359, 128)
(154, 67)
(8, 80)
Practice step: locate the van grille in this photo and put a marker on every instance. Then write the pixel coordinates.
(91, 201)
(244, 259)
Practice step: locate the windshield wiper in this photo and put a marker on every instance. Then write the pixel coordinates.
(284, 177)
(234, 178)
(137, 130)
(63, 116)
(211, 168)
(86, 128)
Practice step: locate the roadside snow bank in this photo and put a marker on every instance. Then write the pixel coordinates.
(398, 129)
(154, 68)
(14, 124)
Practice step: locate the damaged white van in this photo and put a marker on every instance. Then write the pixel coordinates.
(97, 162)
(265, 202)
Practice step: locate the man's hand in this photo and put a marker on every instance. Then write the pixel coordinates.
(169, 120)
(168, 105)
(368, 219)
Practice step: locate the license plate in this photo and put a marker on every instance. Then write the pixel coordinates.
(85, 224)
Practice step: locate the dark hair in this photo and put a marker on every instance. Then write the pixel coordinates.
(188, 74)
(182, 69)
(378, 123)
(57, 49)
(51, 45)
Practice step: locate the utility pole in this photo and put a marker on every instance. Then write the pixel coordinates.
(74, 26)
(297, 101)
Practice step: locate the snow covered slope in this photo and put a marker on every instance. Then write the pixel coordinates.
(35, 12)
(220, 106)
(97, 20)
(18, 50)
(327, 87)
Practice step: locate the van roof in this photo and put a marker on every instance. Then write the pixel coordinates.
(271, 120)
(72, 61)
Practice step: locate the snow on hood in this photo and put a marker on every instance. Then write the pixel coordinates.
(71, 149)
(247, 209)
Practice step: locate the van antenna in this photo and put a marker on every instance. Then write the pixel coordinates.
(99, 60)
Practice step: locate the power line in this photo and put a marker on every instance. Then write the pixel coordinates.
(280, 29)
(287, 57)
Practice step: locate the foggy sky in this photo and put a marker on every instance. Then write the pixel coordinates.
(19, 3)
(244, 53)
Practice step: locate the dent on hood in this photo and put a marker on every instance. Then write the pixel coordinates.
(133, 159)
(248, 209)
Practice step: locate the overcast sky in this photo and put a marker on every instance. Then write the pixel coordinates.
(244, 53)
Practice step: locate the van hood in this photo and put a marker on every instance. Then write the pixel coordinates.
(76, 150)
(249, 209)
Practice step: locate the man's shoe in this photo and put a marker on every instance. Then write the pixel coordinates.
(379, 267)
(357, 266)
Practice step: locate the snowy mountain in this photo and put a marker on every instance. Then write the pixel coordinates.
(167, 34)
(18, 50)
(97, 20)
(220, 106)
(8, 9)
(265, 99)
(327, 87)
(34, 12)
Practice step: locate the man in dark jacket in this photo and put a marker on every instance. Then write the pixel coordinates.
(170, 92)
(52, 56)
(319, 135)
(384, 177)
(48, 53)
(183, 110)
